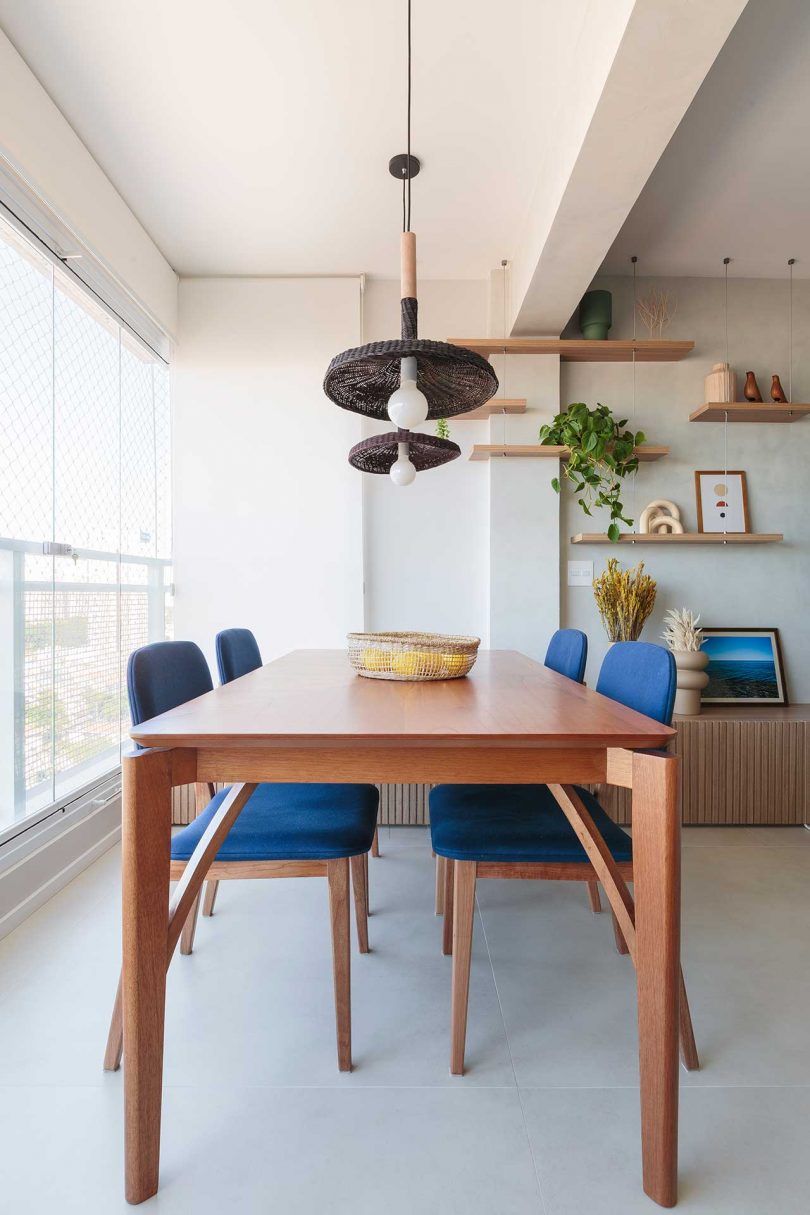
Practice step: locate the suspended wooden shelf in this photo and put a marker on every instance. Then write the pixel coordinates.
(487, 451)
(686, 538)
(580, 350)
(494, 406)
(750, 411)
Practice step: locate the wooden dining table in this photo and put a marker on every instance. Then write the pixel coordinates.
(308, 717)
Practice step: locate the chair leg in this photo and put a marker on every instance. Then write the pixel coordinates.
(115, 1037)
(365, 870)
(375, 843)
(441, 864)
(210, 897)
(189, 928)
(593, 897)
(358, 867)
(618, 936)
(689, 1055)
(447, 930)
(337, 873)
(463, 907)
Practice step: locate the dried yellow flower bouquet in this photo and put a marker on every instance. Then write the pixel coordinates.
(625, 599)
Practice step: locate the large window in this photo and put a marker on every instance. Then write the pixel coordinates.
(85, 529)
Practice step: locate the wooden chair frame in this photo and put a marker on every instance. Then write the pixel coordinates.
(215, 875)
(457, 898)
(185, 903)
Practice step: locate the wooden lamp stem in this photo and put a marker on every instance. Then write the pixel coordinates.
(407, 255)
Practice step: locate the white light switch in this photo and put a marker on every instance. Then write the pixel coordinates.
(580, 573)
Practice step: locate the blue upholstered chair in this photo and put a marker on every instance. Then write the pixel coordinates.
(284, 830)
(238, 654)
(522, 831)
(567, 654)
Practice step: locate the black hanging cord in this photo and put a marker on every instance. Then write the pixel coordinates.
(408, 228)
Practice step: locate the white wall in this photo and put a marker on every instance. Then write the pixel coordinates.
(524, 537)
(268, 513)
(732, 585)
(270, 519)
(427, 555)
(42, 146)
(469, 547)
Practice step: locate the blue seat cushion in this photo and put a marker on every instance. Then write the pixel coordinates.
(291, 823)
(514, 823)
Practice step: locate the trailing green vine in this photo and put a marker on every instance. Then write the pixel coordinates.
(601, 456)
(442, 429)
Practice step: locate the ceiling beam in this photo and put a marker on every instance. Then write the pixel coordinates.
(664, 52)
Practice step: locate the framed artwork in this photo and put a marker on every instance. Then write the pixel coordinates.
(722, 501)
(745, 667)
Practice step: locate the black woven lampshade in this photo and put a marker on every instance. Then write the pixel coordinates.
(377, 454)
(454, 379)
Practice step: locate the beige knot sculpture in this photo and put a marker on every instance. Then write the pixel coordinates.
(660, 518)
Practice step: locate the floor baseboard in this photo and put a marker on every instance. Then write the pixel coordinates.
(37, 877)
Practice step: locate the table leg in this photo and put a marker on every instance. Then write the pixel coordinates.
(146, 839)
(657, 883)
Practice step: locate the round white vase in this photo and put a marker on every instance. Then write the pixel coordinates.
(691, 680)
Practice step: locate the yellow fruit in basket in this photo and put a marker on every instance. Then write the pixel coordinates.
(412, 662)
(453, 664)
(376, 660)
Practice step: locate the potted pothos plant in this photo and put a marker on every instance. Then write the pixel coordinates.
(601, 455)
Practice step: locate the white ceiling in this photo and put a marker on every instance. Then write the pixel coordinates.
(735, 178)
(253, 136)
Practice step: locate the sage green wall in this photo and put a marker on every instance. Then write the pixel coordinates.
(766, 585)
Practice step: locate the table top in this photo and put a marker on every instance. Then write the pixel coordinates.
(312, 697)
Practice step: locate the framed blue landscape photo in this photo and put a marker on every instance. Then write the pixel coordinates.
(745, 667)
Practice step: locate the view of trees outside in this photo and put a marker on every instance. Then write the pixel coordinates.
(84, 463)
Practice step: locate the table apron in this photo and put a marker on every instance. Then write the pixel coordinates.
(404, 764)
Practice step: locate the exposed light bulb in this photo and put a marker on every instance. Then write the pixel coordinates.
(402, 471)
(407, 406)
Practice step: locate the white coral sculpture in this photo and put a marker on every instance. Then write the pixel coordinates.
(681, 631)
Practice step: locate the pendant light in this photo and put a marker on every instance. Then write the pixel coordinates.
(410, 379)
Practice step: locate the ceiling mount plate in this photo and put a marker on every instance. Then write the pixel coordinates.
(398, 166)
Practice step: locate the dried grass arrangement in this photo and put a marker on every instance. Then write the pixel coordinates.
(656, 310)
(625, 599)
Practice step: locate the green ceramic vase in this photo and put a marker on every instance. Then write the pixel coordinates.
(596, 315)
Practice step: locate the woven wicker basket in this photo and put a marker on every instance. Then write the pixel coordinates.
(412, 656)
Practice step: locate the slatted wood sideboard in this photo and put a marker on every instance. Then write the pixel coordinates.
(741, 766)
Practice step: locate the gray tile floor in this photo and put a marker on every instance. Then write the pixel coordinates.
(257, 1118)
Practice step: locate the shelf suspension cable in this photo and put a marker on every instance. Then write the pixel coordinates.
(634, 260)
(726, 261)
(791, 263)
(503, 326)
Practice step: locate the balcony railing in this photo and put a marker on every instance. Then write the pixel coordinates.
(68, 622)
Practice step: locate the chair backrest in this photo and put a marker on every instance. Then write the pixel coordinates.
(567, 653)
(164, 675)
(642, 676)
(237, 654)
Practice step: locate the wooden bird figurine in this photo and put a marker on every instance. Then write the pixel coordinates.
(777, 391)
(751, 390)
